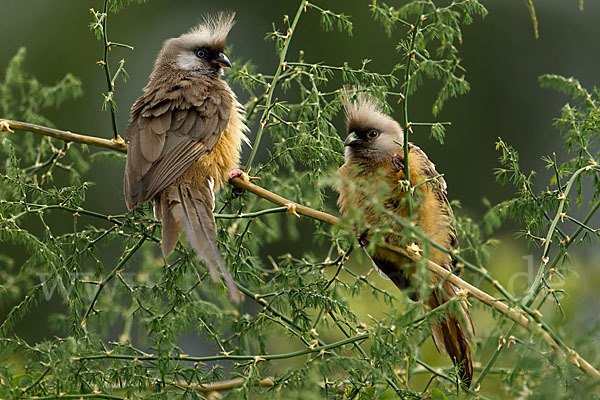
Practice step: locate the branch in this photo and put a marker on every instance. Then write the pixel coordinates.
(513, 313)
(280, 201)
(67, 136)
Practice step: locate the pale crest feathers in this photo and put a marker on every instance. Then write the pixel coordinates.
(365, 113)
(212, 30)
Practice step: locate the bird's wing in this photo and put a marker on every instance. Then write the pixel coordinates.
(171, 126)
(427, 169)
(439, 190)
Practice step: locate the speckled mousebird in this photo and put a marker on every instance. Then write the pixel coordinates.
(185, 136)
(373, 156)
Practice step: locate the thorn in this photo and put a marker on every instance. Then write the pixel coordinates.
(511, 340)
(501, 342)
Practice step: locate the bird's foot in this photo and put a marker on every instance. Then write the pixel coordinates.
(238, 173)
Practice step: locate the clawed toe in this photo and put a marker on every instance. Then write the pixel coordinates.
(235, 173)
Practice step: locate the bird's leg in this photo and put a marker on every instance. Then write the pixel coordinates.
(238, 173)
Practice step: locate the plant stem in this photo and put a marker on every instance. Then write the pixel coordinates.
(110, 276)
(109, 83)
(497, 352)
(264, 357)
(533, 290)
(267, 110)
(407, 128)
(275, 210)
(76, 396)
(512, 313)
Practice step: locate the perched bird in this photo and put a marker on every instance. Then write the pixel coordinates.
(373, 157)
(185, 134)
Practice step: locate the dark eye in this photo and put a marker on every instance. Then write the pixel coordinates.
(201, 53)
(373, 134)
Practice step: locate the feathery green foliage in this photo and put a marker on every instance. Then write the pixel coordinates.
(122, 318)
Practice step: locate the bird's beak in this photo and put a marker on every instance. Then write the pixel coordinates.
(353, 140)
(223, 60)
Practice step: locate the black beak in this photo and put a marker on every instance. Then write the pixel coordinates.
(353, 140)
(223, 60)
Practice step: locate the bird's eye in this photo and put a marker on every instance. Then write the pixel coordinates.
(201, 53)
(373, 134)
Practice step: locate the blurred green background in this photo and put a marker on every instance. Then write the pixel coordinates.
(500, 53)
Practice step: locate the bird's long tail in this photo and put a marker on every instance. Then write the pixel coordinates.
(184, 207)
(450, 332)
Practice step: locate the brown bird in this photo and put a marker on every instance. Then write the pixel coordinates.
(185, 135)
(373, 159)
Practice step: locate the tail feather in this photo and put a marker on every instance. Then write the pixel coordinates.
(190, 208)
(450, 334)
(170, 227)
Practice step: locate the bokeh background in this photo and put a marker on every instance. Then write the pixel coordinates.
(502, 57)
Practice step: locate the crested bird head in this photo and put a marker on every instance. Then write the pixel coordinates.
(200, 52)
(372, 135)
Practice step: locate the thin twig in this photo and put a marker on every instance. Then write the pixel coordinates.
(222, 386)
(110, 276)
(407, 128)
(265, 116)
(109, 82)
(513, 313)
(233, 357)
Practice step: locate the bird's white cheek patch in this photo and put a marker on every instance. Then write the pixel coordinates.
(187, 61)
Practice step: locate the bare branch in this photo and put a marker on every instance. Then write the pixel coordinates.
(514, 314)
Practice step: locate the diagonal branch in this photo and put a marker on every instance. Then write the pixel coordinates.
(514, 314)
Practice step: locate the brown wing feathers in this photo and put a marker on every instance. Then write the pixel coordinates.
(166, 138)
